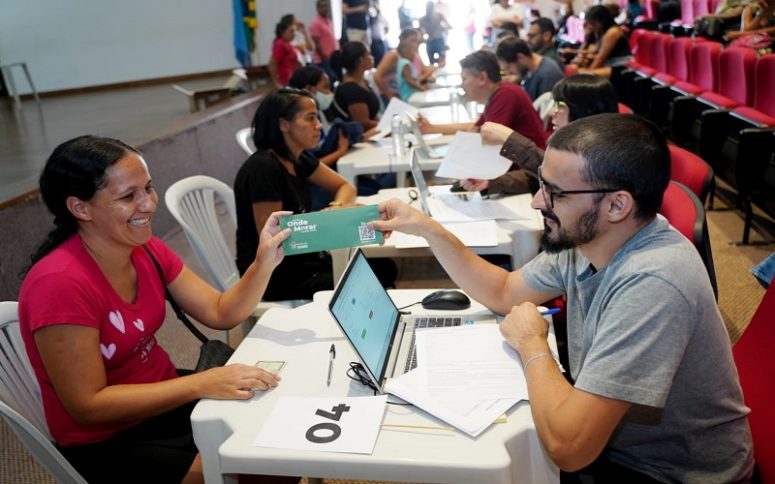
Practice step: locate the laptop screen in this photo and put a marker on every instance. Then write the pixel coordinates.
(366, 313)
(419, 181)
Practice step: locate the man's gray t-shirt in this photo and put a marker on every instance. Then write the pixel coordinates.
(543, 79)
(646, 329)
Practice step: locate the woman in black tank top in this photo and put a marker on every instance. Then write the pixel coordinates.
(613, 50)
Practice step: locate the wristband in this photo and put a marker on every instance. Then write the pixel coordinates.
(533, 358)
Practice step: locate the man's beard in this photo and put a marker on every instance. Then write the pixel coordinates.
(585, 232)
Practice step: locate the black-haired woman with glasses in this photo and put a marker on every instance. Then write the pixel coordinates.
(278, 177)
(575, 97)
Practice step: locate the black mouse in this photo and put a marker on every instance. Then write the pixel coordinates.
(446, 299)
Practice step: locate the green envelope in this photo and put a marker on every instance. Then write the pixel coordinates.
(332, 229)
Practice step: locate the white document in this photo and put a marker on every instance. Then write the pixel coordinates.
(469, 363)
(346, 424)
(472, 417)
(395, 106)
(472, 234)
(446, 206)
(468, 158)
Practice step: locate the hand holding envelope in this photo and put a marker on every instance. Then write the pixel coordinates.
(333, 229)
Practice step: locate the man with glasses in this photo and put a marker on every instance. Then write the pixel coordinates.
(655, 396)
(540, 38)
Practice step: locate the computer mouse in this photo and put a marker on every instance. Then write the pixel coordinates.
(446, 299)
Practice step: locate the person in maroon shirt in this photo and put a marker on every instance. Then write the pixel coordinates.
(505, 103)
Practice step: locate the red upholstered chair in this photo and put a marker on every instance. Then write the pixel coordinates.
(640, 66)
(735, 81)
(703, 69)
(651, 7)
(633, 40)
(643, 51)
(740, 145)
(624, 109)
(656, 94)
(735, 88)
(687, 12)
(699, 8)
(684, 211)
(691, 171)
(713, 5)
(753, 357)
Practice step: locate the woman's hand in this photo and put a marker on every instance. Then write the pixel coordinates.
(236, 381)
(474, 185)
(370, 132)
(494, 133)
(270, 249)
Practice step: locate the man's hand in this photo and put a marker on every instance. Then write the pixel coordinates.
(397, 215)
(425, 125)
(494, 133)
(474, 184)
(525, 330)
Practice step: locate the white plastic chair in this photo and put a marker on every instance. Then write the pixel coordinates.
(20, 401)
(544, 105)
(245, 141)
(192, 202)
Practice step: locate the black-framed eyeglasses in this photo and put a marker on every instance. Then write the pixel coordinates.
(548, 193)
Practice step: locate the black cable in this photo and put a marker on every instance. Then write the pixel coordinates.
(358, 373)
(409, 305)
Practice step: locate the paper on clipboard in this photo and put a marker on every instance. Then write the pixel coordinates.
(395, 106)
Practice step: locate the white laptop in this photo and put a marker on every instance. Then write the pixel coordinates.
(433, 152)
(457, 206)
(381, 336)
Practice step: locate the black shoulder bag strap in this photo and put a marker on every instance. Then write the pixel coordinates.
(178, 312)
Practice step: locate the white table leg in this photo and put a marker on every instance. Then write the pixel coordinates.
(29, 80)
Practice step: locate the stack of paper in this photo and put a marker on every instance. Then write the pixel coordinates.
(467, 376)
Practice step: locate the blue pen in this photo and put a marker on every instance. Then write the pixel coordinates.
(549, 312)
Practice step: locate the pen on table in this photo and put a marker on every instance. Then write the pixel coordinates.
(331, 356)
(549, 312)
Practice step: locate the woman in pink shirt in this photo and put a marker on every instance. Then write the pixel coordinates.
(89, 310)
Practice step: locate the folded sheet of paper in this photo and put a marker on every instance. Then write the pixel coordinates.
(469, 416)
(339, 424)
(473, 234)
(395, 106)
(468, 158)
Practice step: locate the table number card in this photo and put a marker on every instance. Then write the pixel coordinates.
(347, 424)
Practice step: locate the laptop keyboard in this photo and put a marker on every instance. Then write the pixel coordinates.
(441, 322)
